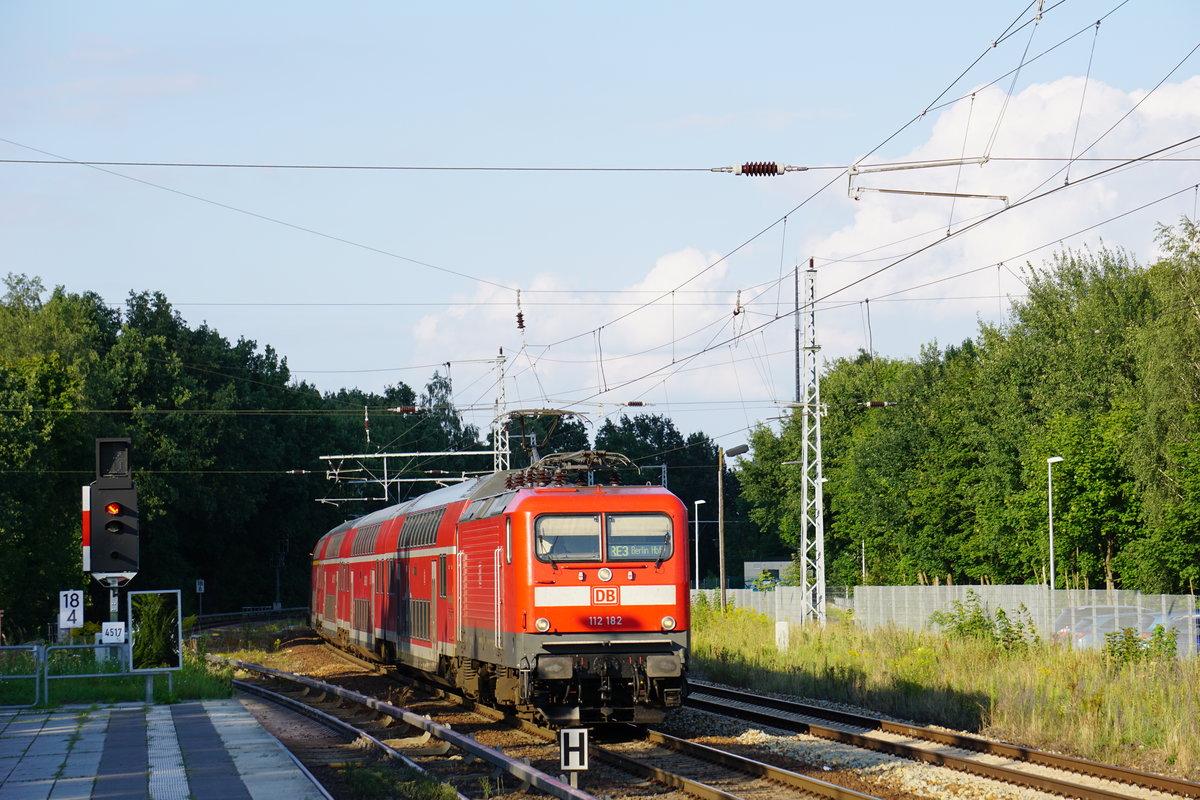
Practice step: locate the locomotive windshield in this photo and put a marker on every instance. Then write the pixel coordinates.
(628, 537)
(568, 537)
(639, 537)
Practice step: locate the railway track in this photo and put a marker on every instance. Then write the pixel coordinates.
(639, 766)
(1048, 772)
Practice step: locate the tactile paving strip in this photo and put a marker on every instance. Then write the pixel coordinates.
(168, 779)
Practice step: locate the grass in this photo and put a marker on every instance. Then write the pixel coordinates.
(1144, 714)
(15, 690)
(195, 681)
(382, 781)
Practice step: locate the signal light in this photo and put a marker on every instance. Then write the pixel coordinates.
(115, 530)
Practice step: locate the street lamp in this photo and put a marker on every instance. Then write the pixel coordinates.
(737, 450)
(1050, 462)
(696, 524)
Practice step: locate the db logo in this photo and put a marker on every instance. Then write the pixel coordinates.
(604, 595)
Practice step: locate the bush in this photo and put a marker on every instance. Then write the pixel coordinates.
(970, 620)
(1127, 646)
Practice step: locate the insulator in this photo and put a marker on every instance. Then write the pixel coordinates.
(760, 168)
(520, 320)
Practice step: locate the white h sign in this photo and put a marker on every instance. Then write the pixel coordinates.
(572, 749)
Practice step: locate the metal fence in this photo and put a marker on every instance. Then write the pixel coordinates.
(21, 665)
(1079, 617)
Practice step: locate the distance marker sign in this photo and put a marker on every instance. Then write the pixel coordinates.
(70, 609)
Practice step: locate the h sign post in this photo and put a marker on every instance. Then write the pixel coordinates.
(573, 752)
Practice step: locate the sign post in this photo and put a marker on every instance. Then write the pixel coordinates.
(573, 752)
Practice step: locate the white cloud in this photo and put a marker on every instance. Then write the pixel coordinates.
(609, 349)
(1038, 123)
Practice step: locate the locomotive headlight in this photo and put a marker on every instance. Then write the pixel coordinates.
(543, 624)
(605, 574)
(668, 623)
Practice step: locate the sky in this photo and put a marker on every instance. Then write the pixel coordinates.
(480, 160)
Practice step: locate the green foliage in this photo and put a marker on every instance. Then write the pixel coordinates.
(765, 581)
(1098, 364)
(971, 620)
(155, 632)
(1126, 646)
(1044, 696)
(215, 424)
(381, 782)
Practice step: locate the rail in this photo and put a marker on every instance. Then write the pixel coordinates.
(249, 614)
(518, 769)
(767, 710)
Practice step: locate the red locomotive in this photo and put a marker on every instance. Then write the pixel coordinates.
(523, 589)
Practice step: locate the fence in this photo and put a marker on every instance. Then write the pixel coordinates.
(1078, 616)
(21, 665)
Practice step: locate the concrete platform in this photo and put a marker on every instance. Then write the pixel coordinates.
(202, 750)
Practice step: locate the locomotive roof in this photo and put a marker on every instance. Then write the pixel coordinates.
(484, 486)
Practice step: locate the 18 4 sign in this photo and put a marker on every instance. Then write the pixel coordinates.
(70, 609)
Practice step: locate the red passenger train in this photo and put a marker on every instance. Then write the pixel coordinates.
(522, 589)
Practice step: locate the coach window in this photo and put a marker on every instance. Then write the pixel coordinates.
(639, 537)
(567, 537)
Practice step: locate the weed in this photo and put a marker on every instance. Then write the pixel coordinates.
(1001, 681)
(970, 620)
(382, 781)
(1126, 646)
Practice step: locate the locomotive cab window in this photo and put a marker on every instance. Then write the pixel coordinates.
(639, 537)
(567, 537)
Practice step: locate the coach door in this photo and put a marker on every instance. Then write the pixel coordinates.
(460, 572)
(433, 605)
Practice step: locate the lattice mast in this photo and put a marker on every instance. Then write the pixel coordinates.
(812, 540)
(500, 420)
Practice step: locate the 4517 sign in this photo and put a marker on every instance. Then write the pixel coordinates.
(70, 609)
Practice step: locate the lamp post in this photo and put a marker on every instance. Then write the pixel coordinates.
(737, 450)
(1050, 462)
(696, 525)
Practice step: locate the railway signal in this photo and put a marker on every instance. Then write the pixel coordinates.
(111, 523)
(115, 530)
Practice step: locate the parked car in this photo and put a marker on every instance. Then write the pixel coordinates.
(1086, 626)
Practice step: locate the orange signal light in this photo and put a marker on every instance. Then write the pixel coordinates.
(113, 508)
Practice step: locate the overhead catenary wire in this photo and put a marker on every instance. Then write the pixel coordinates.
(611, 356)
(1008, 32)
(1025, 201)
(1082, 97)
(265, 218)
